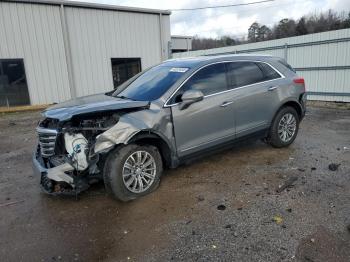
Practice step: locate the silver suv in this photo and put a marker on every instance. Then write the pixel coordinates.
(163, 116)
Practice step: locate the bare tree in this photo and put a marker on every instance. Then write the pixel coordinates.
(313, 23)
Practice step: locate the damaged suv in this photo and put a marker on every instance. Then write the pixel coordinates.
(164, 116)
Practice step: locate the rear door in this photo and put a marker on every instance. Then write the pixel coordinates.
(208, 122)
(256, 97)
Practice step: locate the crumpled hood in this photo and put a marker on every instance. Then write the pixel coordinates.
(88, 104)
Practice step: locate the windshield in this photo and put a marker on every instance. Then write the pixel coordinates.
(151, 84)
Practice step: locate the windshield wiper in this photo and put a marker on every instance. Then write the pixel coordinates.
(124, 97)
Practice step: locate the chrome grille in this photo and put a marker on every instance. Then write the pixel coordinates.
(47, 141)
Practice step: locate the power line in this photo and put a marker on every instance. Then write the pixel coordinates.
(222, 6)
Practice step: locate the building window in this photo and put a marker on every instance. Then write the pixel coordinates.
(13, 83)
(124, 68)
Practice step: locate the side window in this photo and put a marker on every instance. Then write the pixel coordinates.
(243, 73)
(268, 71)
(210, 80)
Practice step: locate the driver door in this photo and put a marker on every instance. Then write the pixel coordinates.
(208, 122)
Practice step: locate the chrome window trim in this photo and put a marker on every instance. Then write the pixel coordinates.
(228, 90)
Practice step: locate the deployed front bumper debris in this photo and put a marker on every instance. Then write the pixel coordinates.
(59, 180)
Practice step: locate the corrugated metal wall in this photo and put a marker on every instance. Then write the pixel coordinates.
(181, 43)
(96, 36)
(35, 33)
(323, 59)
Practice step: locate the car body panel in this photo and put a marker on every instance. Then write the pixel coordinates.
(87, 104)
(202, 124)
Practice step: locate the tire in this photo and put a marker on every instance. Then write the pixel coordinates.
(275, 138)
(116, 183)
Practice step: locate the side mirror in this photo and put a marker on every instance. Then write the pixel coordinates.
(190, 97)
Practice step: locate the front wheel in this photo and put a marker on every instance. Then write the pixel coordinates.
(284, 127)
(132, 171)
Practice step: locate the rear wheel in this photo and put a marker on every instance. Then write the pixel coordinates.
(132, 171)
(284, 128)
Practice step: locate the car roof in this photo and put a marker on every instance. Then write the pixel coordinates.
(192, 62)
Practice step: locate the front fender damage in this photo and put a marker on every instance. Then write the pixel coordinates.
(129, 125)
(120, 133)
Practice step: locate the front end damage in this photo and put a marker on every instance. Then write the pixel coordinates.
(65, 157)
(72, 150)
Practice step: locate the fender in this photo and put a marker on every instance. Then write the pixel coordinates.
(293, 102)
(166, 146)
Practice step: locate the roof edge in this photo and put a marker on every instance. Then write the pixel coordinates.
(182, 36)
(93, 6)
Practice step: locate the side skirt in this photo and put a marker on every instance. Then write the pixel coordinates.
(221, 147)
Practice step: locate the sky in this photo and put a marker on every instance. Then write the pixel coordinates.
(233, 21)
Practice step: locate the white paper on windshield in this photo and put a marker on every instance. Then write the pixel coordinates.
(179, 69)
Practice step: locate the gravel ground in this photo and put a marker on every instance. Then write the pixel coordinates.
(231, 206)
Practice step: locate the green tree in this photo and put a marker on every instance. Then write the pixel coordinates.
(285, 28)
(253, 32)
(227, 41)
(301, 27)
(346, 22)
(264, 33)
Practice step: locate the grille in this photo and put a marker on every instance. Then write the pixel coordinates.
(47, 141)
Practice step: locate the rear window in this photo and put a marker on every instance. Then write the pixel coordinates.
(283, 62)
(268, 71)
(243, 73)
(248, 73)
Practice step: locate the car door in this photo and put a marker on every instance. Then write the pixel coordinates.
(207, 122)
(256, 97)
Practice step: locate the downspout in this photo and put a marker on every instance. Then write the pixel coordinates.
(161, 36)
(286, 52)
(68, 52)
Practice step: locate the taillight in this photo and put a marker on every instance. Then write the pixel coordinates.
(301, 81)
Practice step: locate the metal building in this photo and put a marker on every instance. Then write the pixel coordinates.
(323, 59)
(180, 43)
(51, 51)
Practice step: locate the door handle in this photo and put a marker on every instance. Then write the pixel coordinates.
(224, 104)
(271, 88)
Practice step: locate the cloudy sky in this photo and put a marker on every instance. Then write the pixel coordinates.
(232, 20)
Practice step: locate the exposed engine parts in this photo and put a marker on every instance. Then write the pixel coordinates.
(78, 144)
(77, 147)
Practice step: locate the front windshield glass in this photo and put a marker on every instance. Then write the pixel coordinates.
(151, 84)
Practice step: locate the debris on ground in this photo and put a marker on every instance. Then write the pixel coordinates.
(221, 207)
(278, 219)
(348, 227)
(200, 198)
(287, 184)
(301, 169)
(333, 166)
(289, 210)
(11, 203)
(313, 168)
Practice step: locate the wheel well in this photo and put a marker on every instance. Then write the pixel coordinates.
(295, 105)
(147, 138)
